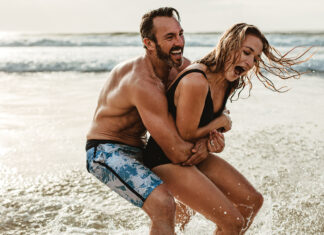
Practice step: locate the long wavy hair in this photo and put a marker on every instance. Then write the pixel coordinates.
(272, 61)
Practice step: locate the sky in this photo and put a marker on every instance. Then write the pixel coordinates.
(73, 16)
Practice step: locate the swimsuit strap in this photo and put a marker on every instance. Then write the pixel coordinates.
(175, 84)
(193, 71)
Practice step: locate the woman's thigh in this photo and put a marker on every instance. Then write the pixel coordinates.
(231, 182)
(192, 187)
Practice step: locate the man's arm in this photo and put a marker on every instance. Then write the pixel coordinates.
(151, 103)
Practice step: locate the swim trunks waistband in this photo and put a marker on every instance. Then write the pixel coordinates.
(94, 143)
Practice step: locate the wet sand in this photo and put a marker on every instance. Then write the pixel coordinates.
(276, 142)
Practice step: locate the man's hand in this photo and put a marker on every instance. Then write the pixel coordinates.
(216, 142)
(200, 152)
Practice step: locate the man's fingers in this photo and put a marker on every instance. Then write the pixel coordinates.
(196, 161)
(189, 161)
(194, 157)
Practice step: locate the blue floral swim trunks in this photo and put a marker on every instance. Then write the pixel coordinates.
(120, 167)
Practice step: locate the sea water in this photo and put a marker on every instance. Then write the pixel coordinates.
(49, 85)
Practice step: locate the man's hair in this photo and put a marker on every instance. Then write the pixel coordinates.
(146, 27)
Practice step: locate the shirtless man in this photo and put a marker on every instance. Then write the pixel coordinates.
(133, 100)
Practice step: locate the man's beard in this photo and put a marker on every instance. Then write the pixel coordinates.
(167, 57)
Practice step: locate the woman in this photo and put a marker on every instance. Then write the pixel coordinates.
(197, 100)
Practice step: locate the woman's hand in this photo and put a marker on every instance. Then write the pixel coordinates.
(216, 142)
(227, 121)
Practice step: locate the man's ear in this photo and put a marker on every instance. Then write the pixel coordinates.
(149, 44)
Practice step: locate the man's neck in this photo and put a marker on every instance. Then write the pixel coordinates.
(159, 67)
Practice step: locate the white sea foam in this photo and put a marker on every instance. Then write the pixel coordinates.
(101, 52)
(276, 142)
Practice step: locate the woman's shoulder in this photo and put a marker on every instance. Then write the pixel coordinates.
(195, 83)
(194, 75)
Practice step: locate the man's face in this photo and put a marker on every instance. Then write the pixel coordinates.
(169, 40)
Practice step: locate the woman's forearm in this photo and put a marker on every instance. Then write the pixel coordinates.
(201, 132)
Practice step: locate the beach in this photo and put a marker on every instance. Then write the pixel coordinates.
(48, 94)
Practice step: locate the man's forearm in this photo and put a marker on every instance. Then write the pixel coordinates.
(176, 149)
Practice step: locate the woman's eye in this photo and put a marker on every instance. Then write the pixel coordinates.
(246, 53)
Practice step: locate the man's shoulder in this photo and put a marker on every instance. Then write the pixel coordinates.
(142, 76)
(126, 66)
(138, 80)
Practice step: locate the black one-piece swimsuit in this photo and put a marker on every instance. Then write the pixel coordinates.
(153, 154)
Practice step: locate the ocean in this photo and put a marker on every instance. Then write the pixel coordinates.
(49, 85)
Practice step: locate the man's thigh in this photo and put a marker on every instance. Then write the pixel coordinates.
(119, 167)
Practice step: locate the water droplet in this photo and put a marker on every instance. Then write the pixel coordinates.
(225, 212)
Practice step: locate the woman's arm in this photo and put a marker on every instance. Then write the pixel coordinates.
(222, 121)
(190, 99)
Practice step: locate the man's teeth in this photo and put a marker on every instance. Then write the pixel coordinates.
(176, 51)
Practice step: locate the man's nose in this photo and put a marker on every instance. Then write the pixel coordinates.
(180, 41)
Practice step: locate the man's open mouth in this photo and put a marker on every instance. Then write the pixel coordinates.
(176, 51)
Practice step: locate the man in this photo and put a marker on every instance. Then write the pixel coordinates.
(133, 100)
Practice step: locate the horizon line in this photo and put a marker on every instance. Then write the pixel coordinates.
(136, 33)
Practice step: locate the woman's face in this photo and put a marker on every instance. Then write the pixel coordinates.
(247, 55)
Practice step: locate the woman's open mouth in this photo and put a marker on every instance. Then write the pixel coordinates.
(239, 70)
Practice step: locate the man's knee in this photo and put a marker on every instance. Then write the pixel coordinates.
(160, 204)
(233, 223)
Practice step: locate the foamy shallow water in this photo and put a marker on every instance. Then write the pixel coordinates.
(276, 142)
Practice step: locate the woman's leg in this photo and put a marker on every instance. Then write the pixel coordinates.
(234, 185)
(192, 187)
(183, 215)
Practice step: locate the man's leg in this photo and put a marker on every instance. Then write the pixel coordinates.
(116, 165)
(160, 207)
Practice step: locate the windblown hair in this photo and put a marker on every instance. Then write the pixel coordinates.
(146, 28)
(272, 62)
